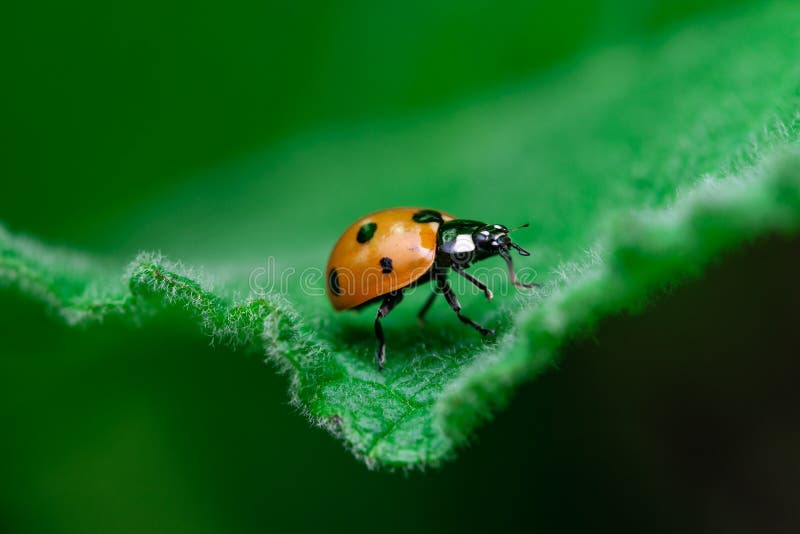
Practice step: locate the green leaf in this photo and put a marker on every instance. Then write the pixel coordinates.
(635, 165)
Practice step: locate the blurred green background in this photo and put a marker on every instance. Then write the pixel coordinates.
(107, 106)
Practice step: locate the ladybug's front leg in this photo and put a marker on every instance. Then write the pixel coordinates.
(480, 285)
(445, 288)
(392, 299)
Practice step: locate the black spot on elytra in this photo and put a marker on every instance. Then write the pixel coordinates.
(386, 265)
(426, 216)
(366, 232)
(333, 282)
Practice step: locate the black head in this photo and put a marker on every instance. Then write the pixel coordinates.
(493, 239)
(462, 241)
(475, 240)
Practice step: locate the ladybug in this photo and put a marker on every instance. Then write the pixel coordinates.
(381, 255)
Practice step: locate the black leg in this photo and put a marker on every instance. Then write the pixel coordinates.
(391, 300)
(426, 307)
(513, 276)
(480, 285)
(442, 284)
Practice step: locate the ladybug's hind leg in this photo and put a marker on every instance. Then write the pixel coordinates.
(389, 302)
(426, 307)
(452, 300)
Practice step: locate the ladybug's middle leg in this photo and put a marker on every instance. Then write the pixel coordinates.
(389, 302)
(445, 288)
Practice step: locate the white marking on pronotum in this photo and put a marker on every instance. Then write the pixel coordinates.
(463, 244)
